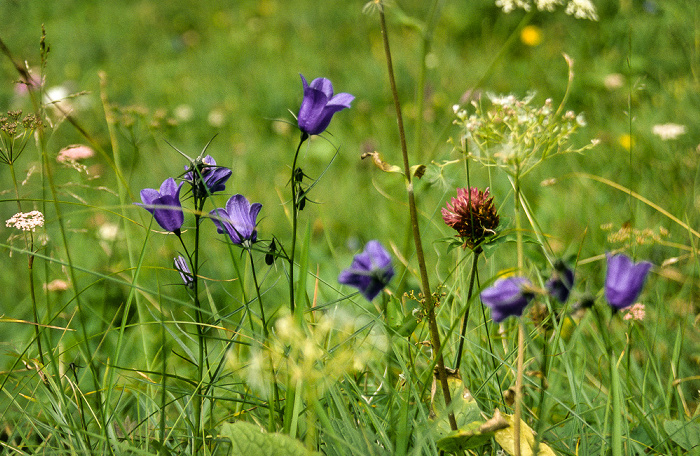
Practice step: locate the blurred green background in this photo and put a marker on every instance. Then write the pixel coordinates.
(183, 72)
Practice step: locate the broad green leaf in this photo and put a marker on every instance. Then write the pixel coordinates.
(473, 435)
(464, 438)
(506, 438)
(248, 440)
(463, 405)
(685, 434)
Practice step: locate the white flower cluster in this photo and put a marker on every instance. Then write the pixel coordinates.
(580, 9)
(511, 133)
(668, 131)
(26, 221)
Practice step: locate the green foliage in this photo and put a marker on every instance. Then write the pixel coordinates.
(116, 363)
(247, 439)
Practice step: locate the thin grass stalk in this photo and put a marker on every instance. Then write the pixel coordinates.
(427, 294)
(463, 333)
(521, 328)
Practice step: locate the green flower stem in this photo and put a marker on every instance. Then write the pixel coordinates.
(425, 284)
(295, 212)
(198, 398)
(29, 245)
(463, 333)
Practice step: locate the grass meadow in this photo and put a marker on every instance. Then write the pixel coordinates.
(584, 130)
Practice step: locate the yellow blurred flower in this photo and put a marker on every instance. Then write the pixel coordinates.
(531, 35)
(626, 141)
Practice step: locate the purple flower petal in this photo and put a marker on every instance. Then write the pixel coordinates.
(164, 205)
(319, 105)
(507, 297)
(184, 269)
(624, 280)
(370, 271)
(238, 220)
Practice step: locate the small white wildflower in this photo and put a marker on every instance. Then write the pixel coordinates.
(26, 221)
(614, 81)
(216, 117)
(108, 231)
(582, 9)
(547, 5)
(74, 153)
(636, 312)
(184, 113)
(56, 285)
(668, 131)
(509, 5)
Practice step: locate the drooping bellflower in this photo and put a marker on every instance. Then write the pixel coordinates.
(472, 214)
(506, 297)
(214, 177)
(184, 269)
(237, 220)
(370, 271)
(165, 205)
(319, 105)
(562, 281)
(624, 280)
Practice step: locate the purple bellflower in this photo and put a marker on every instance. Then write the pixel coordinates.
(559, 285)
(507, 297)
(164, 205)
(370, 271)
(319, 105)
(215, 177)
(624, 280)
(184, 269)
(237, 220)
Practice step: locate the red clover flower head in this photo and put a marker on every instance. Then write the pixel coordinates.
(508, 296)
(164, 205)
(624, 280)
(473, 215)
(237, 220)
(370, 271)
(319, 105)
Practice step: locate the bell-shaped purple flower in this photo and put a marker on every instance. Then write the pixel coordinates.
(560, 284)
(237, 220)
(319, 105)
(184, 269)
(215, 177)
(624, 280)
(507, 297)
(164, 205)
(370, 271)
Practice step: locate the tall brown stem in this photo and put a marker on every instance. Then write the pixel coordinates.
(425, 283)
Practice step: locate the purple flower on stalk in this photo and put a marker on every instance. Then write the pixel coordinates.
(164, 205)
(370, 271)
(184, 269)
(624, 280)
(507, 297)
(560, 284)
(215, 177)
(319, 105)
(237, 220)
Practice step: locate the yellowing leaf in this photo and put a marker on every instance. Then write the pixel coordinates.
(506, 438)
(381, 164)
